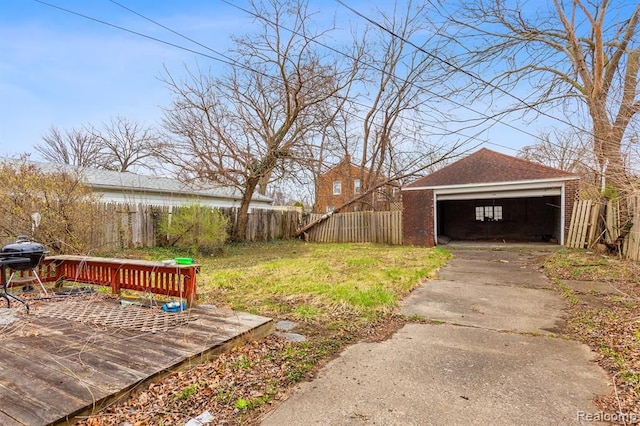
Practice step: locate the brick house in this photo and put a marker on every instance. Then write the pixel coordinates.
(488, 196)
(342, 183)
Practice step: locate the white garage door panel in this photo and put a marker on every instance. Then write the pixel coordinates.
(500, 194)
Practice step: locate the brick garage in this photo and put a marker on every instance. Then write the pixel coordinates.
(488, 196)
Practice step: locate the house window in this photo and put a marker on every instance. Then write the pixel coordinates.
(488, 213)
(356, 186)
(337, 187)
(329, 209)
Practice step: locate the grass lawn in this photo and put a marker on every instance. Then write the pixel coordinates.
(338, 293)
(315, 282)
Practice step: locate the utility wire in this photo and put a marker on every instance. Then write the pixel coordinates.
(459, 104)
(234, 62)
(126, 29)
(170, 30)
(457, 68)
(223, 58)
(230, 61)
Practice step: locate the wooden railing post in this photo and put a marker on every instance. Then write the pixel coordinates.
(189, 286)
(115, 280)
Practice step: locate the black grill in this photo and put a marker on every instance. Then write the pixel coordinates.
(22, 255)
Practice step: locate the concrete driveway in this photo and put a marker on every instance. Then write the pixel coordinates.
(495, 358)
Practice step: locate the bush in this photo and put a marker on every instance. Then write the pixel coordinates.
(196, 228)
(67, 208)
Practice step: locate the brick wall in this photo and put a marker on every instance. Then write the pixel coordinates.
(346, 173)
(417, 218)
(571, 195)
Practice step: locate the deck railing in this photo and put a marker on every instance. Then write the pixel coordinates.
(123, 274)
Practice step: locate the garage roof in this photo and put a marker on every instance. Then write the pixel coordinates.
(487, 166)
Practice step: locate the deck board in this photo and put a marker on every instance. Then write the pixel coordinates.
(24, 410)
(54, 368)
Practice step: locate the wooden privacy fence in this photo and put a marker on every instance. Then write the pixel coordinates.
(584, 224)
(137, 225)
(265, 225)
(593, 221)
(631, 246)
(120, 225)
(358, 227)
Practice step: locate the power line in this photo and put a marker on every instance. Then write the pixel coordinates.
(226, 59)
(170, 30)
(457, 68)
(484, 115)
(232, 62)
(126, 29)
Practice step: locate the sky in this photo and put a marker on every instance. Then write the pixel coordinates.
(64, 70)
(60, 69)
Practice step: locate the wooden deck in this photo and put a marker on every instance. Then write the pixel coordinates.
(54, 367)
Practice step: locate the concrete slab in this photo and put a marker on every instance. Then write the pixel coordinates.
(486, 272)
(495, 267)
(591, 287)
(487, 306)
(450, 375)
(504, 246)
(488, 289)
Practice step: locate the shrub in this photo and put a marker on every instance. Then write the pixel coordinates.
(66, 207)
(197, 228)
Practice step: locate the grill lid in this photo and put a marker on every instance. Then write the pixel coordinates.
(22, 249)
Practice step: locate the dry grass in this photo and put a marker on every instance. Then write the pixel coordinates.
(608, 321)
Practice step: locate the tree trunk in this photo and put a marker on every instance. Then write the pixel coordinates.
(608, 150)
(240, 230)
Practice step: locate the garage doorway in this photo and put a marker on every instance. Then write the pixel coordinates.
(526, 219)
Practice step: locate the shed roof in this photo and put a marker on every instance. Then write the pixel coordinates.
(100, 179)
(487, 166)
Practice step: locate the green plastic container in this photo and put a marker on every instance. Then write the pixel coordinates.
(184, 260)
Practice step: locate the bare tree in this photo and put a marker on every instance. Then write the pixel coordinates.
(562, 150)
(385, 116)
(75, 147)
(242, 128)
(127, 145)
(388, 123)
(122, 145)
(398, 80)
(580, 53)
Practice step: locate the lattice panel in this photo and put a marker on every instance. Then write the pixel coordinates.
(133, 318)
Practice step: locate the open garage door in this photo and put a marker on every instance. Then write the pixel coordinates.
(524, 219)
